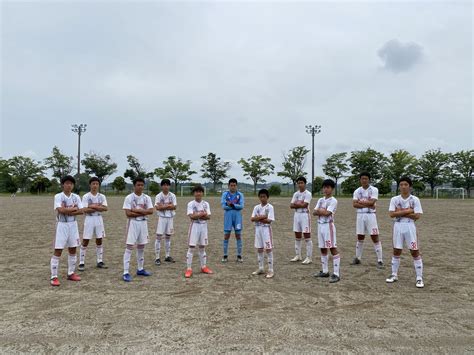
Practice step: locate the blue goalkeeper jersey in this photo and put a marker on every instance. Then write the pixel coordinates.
(233, 213)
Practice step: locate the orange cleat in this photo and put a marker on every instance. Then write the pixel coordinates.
(73, 277)
(55, 281)
(206, 270)
(188, 273)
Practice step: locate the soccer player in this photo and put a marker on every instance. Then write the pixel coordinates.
(325, 210)
(263, 215)
(232, 201)
(94, 204)
(405, 209)
(67, 206)
(302, 221)
(364, 200)
(199, 212)
(138, 207)
(165, 204)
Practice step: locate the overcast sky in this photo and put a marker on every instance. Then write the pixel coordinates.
(155, 79)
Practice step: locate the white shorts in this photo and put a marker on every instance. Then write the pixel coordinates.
(197, 234)
(137, 232)
(326, 235)
(405, 233)
(67, 235)
(263, 237)
(165, 226)
(302, 222)
(93, 225)
(367, 224)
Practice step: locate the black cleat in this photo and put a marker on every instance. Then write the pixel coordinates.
(239, 259)
(356, 261)
(321, 274)
(380, 265)
(334, 278)
(81, 267)
(169, 259)
(158, 262)
(101, 265)
(224, 259)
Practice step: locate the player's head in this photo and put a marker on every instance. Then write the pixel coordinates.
(328, 187)
(405, 183)
(94, 183)
(233, 185)
(67, 183)
(198, 191)
(364, 178)
(263, 196)
(301, 182)
(165, 185)
(138, 185)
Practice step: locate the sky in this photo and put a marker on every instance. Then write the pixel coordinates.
(155, 79)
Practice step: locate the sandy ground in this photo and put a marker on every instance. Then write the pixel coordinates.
(231, 310)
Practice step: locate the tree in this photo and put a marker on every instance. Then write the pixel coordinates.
(176, 169)
(39, 185)
(350, 184)
(119, 184)
(7, 182)
(293, 164)
(59, 163)
(136, 169)
(274, 190)
(432, 168)
(462, 168)
(384, 185)
(369, 161)
(336, 167)
(24, 170)
(100, 166)
(214, 169)
(318, 184)
(256, 167)
(400, 163)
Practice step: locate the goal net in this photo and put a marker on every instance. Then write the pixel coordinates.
(186, 190)
(449, 192)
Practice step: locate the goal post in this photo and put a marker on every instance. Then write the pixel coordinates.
(186, 190)
(449, 192)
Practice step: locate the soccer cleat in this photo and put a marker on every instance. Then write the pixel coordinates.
(188, 273)
(73, 277)
(321, 274)
(258, 272)
(101, 265)
(239, 259)
(419, 283)
(81, 267)
(307, 261)
(356, 261)
(296, 258)
(169, 259)
(206, 270)
(55, 281)
(391, 279)
(143, 272)
(334, 278)
(224, 259)
(269, 275)
(380, 265)
(127, 277)
(158, 262)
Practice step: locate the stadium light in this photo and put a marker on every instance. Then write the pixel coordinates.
(313, 130)
(79, 129)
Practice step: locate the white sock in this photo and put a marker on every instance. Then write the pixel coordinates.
(298, 247)
(54, 266)
(395, 265)
(168, 247)
(324, 263)
(140, 258)
(418, 263)
(260, 259)
(71, 264)
(127, 255)
(309, 248)
(158, 246)
(189, 257)
(359, 248)
(336, 261)
(270, 261)
(82, 254)
(378, 251)
(99, 251)
(202, 257)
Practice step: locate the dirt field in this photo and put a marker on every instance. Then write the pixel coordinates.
(231, 310)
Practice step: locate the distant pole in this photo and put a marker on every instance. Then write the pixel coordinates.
(313, 130)
(79, 129)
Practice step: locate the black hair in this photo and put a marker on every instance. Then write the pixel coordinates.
(138, 179)
(94, 178)
(263, 192)
(406, 179)
(197, 188)
(68, 178)
(233, 180)
(364, 173)
(165, 182)
(329, 182)
(301, 178)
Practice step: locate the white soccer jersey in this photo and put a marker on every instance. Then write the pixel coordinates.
(361, 194)
(398, 202)
(304, 196)
(139, 202)
(162, 199)
(61, 200)
(90, 199)
(329, 204)
(261, 210)
(195, 206)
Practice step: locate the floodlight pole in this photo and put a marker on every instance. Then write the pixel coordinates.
(79, 129)
(313, 130)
